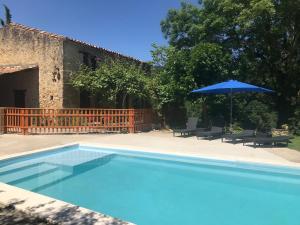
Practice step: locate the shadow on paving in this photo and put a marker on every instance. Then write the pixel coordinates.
(66, 215)
(10, 216)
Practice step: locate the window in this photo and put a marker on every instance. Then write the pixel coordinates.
(85, 59)
(89, 60)
(93, 62)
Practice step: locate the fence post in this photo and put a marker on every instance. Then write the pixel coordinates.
(24, 121)
(131, 120)
(2, 120)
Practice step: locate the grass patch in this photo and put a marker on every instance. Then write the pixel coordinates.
(295, 143)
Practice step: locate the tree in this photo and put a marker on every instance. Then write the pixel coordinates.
(177, 71)
(110, 80)
(261, 38)
(170, 83)
(8, 16)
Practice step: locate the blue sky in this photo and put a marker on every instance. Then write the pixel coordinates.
(126, 26)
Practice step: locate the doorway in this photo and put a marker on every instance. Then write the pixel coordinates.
(19, 96)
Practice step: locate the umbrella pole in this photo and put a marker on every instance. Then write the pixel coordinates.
(230, 109)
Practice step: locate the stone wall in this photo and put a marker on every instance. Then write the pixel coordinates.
(73, 58)
(57, 58)
(22, 46)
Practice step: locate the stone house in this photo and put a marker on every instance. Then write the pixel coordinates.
(35, 67)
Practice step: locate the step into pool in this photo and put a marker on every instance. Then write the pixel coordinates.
(157, 189)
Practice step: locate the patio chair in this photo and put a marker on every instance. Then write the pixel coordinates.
(239, 136)
(191, 127)
(214, 132)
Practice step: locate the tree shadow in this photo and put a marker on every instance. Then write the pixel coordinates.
(52, 213)
(10, 216)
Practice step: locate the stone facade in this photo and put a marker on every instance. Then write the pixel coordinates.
(57, 58)
(21, 46)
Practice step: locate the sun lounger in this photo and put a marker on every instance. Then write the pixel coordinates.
(271, 141)
(239, 136)
(215, 132)
(191, 127)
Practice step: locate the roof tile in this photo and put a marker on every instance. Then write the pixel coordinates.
(52, 35)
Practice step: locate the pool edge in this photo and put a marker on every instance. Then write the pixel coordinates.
(198, 156)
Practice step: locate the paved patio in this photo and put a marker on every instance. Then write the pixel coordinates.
(156, 141)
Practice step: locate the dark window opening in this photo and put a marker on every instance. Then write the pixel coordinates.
(19, 97)
(85, 101)
(85, 58)
(89, 60)
(93, 62)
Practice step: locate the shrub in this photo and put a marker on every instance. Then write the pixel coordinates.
(258, 115)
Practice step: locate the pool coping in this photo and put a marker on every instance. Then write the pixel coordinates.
(229, 159)
(57, 211)
(233, 159)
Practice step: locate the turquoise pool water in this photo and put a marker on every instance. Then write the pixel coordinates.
(154, 189)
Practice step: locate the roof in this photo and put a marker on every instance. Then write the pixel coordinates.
(5, 69)
(61, 37)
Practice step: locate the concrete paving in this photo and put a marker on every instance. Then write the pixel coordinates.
(156, 141)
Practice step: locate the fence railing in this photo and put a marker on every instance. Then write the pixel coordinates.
(2, 120)
(54, 121)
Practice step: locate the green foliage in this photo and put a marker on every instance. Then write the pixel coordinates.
(255, 41)
(8, 16)
(208, 64)
(295, 143)
(235, 129)
(294, 122)
(170, 82)
(258, 116)
(177, 72)
(112, 79)
(194, 108)
(181, 26)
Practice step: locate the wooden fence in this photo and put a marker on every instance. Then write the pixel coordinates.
(55, 121)
(2, 119)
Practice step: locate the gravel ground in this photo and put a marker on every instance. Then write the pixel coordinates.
(10, 216)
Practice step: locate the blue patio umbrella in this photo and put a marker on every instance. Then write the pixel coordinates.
(230, 87)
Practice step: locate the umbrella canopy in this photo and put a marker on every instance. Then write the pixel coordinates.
(230, 87)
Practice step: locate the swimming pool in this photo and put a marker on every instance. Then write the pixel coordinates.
(157, 189)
